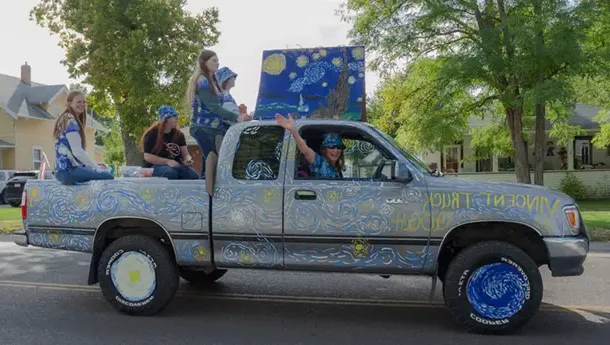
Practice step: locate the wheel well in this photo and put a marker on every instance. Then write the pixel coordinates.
(115, 228)
(520, 235)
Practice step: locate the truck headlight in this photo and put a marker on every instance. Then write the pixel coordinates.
(572, 218)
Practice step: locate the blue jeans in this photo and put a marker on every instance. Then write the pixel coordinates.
(182, 173)
(206, 139)
(80, 175)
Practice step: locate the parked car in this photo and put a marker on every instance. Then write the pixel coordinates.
(15, 185)
(5, 175)
(388, 215)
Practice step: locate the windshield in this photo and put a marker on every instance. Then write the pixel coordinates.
(416, 161)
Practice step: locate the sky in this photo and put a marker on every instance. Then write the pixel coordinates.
(247, 28)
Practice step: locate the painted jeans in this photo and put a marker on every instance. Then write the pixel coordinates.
(80, 175)
(206, 139)
(182, 173)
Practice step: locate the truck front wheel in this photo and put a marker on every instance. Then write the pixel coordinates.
(493, 287)
(137, 275)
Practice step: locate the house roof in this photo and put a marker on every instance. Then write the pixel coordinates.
(5, 144)
(21, 100)
(583, 116)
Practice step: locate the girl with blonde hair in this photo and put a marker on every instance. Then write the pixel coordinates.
(72, 163)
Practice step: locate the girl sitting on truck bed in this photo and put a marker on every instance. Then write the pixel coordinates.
(165, 148)
(72, 163)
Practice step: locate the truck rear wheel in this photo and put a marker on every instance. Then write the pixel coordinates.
(195, 277)
(137, 275)
(493, 288)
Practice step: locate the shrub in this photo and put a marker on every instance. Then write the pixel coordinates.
(572, 186)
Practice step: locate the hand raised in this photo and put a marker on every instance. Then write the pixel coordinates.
(286, 122)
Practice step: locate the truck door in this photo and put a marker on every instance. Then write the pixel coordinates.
(247, 205)
(365, 222)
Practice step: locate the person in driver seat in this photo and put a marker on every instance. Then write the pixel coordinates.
(328, 165)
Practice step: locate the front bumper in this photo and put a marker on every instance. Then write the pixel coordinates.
(567, 255)
(20, 238)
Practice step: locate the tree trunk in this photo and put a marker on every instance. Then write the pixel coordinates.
(540, 138)
(133, 155)
(515, 127)
(539, 143)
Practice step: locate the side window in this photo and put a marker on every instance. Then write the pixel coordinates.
(258, 153)
(363, 159)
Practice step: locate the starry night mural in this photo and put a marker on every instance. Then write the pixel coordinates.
(316, 83)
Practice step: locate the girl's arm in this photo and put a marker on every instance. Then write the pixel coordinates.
(309, 154)
(206, 96)
(77, 150)
(288, 124)
(156, 160)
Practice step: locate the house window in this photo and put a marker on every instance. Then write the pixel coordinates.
(36, 158)
(258, 153)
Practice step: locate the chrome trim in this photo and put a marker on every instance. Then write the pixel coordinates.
(20, 238)
(141, 218)
(565, 247)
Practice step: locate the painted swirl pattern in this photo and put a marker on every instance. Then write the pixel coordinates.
(497, 291)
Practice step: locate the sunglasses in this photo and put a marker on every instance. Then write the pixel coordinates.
(335, 147)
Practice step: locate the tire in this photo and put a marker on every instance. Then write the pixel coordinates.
(156, 274)
(489, 267)
(2, 201)
(200, 278)
(15, 203)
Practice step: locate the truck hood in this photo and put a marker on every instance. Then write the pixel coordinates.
(459, 184)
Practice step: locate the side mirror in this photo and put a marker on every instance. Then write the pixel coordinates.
(402, 173)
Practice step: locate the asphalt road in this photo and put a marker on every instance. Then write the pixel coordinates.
(45, 300)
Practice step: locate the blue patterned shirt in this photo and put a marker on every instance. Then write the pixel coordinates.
(322, 169)
(64, 158)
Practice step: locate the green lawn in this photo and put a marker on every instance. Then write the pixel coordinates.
(10, 220)
(595, 213)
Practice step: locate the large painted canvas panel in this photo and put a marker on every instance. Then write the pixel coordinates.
(316, 83)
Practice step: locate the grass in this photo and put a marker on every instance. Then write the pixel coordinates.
(10, 220)
(595, 213)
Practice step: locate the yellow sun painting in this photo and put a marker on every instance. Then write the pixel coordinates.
(274, 64)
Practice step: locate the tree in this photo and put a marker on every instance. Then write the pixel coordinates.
(500, 48)
(138, 53)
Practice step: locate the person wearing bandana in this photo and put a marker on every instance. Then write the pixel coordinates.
(165, 148)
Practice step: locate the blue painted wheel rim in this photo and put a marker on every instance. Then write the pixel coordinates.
(497, 291)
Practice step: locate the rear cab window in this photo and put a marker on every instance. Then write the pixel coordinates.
(258, 153)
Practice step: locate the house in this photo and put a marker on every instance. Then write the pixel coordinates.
(591, 165)
(27, 116)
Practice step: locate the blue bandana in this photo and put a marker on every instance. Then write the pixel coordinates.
(224, 74)
(332, 140)
(166, 111)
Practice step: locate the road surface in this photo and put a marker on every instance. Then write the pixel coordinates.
(45, 300)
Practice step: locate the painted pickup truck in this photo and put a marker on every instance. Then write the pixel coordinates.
(387, 215)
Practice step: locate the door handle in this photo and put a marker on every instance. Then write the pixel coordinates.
(305, 195)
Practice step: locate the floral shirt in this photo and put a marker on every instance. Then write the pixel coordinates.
(64, 158)
(322, 169)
